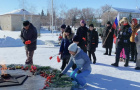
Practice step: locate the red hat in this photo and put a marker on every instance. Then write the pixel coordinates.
(135, 21)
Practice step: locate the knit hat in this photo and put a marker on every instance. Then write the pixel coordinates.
(82, 21)
(135, 21)
(26, 23)
(68, 29)
(73, 47)
(63, 26)
(109, 22)
(76, 38)
(91, 25)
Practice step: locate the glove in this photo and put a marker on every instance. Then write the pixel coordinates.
(28, 42)
(61, 75)
(79, 71)
(84, 39)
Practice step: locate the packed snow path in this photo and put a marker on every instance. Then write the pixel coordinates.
(102, 77)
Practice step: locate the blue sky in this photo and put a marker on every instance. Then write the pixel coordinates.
(37, 5)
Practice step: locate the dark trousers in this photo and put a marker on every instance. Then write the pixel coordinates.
(29, 55)
(133, 50)
(92, 52)
(65, 60)
(119, 49)
(110, 50)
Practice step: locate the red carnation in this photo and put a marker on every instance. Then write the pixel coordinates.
(84, 39)
(50, 57)
(58, 59)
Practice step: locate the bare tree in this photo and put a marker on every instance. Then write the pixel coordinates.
(108, 15)
(88, 14)
(72, 15)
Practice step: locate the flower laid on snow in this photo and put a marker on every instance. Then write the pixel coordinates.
(50, 57)
(33, 69)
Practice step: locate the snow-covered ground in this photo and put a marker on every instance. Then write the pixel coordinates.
(102, 77)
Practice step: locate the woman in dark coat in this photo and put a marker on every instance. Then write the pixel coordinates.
(107, 38)
(92, 42)
(66, 41)
(29, 38)
(82, 33)
(123, 42)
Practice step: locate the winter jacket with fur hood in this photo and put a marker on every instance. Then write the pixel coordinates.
(66, 41)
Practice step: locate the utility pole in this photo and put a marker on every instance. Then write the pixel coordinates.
(52, 16)
(23, 11)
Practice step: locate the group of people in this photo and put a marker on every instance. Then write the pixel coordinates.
(127, 48)
(86, 39)
(74, 47)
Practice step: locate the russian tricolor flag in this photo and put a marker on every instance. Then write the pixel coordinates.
(114, 26)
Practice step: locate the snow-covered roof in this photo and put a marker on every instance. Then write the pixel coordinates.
(127, 10)
(20, 12)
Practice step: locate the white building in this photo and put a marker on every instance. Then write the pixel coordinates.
(135, 13)
(13, 20)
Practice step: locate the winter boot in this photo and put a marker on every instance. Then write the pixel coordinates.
(137, 68)
(126, 63)
(80, 87)
(106, 53)
(94, 61)
(110, 50)
(116, 63)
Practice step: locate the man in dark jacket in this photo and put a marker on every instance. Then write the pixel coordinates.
(92, 42)
(82, 33)
(29, 38)
(107, 37)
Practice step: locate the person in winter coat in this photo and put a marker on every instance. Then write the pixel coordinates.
(61, 34)
(66, 41)
(29, 38)
(82, 33)
(132, 41)
(137, 41)
(123, 42)
(107, 38)
(63, 27)
(92, 42)
(80, 58)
